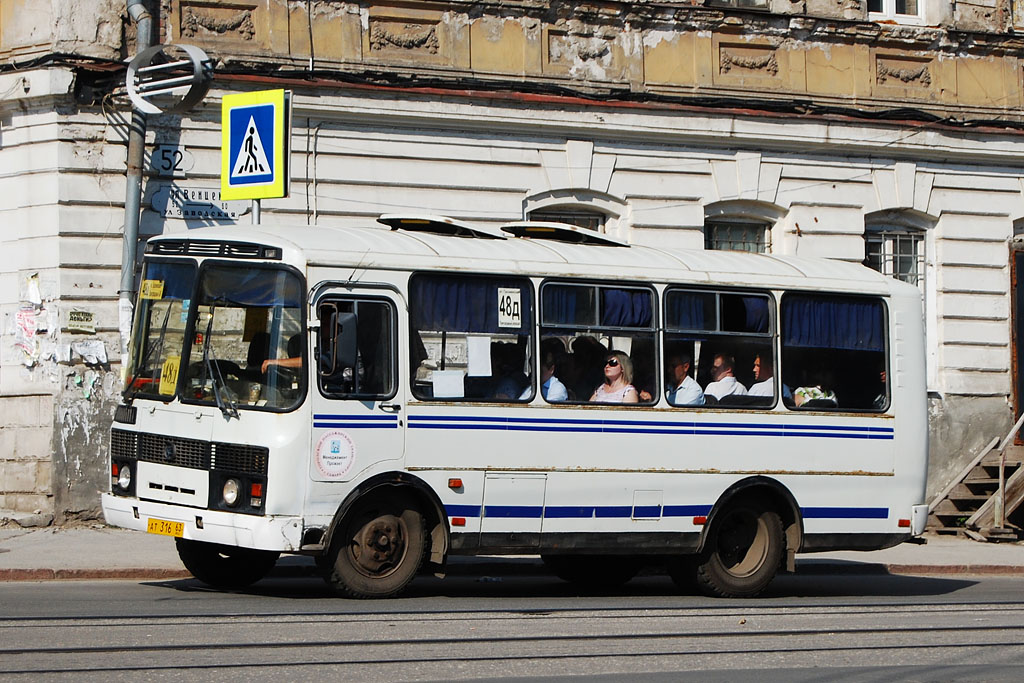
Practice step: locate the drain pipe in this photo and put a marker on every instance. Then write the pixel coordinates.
(140, 14)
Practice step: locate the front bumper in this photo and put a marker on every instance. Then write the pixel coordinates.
(282, 534)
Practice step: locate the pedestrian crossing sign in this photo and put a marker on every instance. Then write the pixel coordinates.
(255, 145)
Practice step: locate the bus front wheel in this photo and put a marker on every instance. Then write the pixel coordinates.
(225, 566)
(377, 550)
(742, 553)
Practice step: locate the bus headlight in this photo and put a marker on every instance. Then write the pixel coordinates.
(124, 477)
(232, 492)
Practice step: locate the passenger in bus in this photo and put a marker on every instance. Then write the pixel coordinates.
(294, 359)
(618, 375)
(507, 361)
(684, 389)
(551, 388)
(724, 382)
(584, 371)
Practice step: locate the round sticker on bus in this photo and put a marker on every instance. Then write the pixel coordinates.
(335, 454)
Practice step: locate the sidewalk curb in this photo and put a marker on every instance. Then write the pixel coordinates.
(91, 574)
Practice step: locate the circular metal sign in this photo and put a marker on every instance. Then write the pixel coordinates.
(169, 79)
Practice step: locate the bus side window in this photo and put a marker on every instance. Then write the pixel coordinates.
(471, 337)
(355, 349)
(592, 323)
(833, 352)
(719, 350)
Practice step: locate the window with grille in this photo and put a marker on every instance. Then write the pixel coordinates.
(896, 252)
(581, 218)
(737, 236)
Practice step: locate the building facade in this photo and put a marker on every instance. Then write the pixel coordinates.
(886, 132)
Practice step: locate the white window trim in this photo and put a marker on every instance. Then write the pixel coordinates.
(913, 222)
(888, 13)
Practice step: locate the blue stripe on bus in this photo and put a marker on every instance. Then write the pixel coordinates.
(371, 418)
(475, 423)
(462, 510)
(329, 421)
(626, 511)
(513, 511)
(638, 423)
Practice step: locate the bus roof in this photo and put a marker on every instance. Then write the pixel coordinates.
(380, 247)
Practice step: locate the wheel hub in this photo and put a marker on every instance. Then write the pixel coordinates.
(379, 546)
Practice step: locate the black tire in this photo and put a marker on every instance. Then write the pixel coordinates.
(743, 551)
(225, 566)
(593, 572)
(377, 549)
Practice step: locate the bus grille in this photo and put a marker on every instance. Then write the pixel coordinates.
(191, 453)
(237, 458)
(123, 444)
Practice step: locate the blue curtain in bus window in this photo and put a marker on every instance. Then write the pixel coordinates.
(848, 324)
(177, 278)
(690, 311)
(250, 287)
(625, 308)
(568, 305)
(757, 313)
(464, 304)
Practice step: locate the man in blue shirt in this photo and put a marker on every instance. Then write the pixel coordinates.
(683, 389)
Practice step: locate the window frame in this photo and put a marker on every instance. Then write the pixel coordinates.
(712, 223)
(889, 13)
(332, 297)
(886, 348)
(531, 333)
(654, 329)
(889, 235)
(771, 337)
(190, 334)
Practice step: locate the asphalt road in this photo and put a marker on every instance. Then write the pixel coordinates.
(808, 628)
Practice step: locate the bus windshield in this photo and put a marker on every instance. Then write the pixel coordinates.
(245, 347)
(159, 334)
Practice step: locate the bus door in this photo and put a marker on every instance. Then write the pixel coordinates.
(358, 409)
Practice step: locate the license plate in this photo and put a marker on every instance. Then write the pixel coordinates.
(165, 528)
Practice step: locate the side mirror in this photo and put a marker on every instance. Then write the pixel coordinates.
(345, 340)
(337, 341)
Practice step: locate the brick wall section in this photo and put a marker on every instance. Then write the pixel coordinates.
(26, 457)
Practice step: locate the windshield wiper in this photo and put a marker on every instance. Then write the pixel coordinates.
(228, 408)
(134, 387)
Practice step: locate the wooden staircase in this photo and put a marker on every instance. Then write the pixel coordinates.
(967, 506)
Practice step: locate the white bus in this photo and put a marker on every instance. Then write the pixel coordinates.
(382, 399)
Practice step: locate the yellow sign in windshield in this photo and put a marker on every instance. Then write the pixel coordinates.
(169, 375)
(152, 289)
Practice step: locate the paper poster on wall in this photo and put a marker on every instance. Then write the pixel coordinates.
(479, 356)
(82, 321)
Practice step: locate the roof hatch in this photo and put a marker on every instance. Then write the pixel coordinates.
(561, 232)
(439, 225)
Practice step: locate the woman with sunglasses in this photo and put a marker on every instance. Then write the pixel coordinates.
(618, 373)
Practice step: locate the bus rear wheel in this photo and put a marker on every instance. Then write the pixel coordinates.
(377, 550)
(742, 553)
(225, 566)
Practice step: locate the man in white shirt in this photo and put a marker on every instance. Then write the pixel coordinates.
(684, 390)
(724, 384)
(764, 383)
